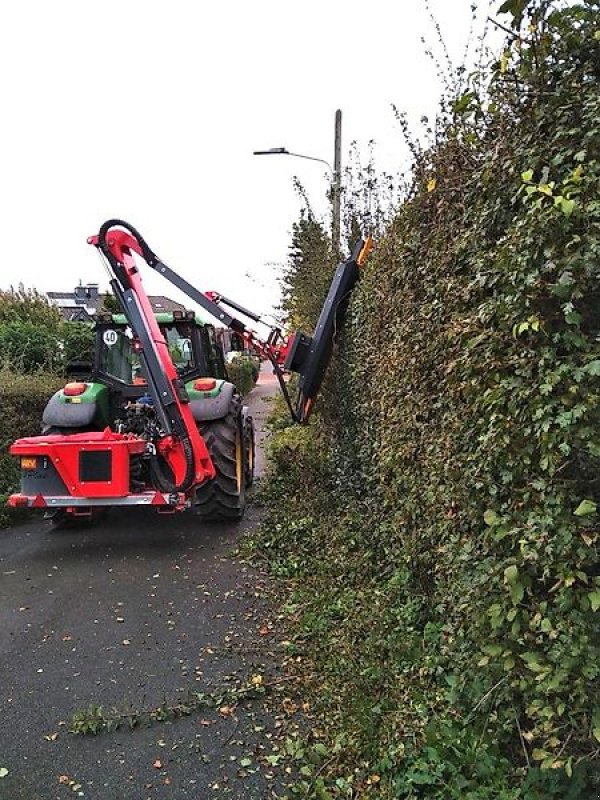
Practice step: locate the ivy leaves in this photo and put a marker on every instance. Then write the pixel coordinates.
(450, 528)
(515, 586)
(585, 508)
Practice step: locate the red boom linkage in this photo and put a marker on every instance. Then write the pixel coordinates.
(121, 244)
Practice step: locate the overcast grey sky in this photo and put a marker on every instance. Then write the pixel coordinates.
(150, 111)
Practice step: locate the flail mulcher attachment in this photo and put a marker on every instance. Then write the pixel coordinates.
(309, 356)
(306, 355)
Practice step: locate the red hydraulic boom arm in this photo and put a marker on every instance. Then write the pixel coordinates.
(275, 346)
(182, 447)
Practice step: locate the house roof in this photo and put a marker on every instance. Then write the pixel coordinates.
(161, 303)
(76, 308)
(67, 296)
(75, 314)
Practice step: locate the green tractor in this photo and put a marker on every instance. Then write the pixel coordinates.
(155, 421)
(113, 393)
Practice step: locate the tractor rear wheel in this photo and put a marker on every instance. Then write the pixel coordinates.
(224, 497)
(250, 450)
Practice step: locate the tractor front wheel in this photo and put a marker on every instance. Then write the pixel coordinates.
(224, 497)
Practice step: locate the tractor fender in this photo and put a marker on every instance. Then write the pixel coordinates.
(60, 413)
(212, 407)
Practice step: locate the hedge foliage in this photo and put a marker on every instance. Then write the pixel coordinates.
(34, 337)
(243, 372)
(35, 348)
(442, 519)
(22, 401)
(27, 305)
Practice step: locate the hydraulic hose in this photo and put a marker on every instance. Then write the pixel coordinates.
(163, 481)
(149, 256)
(282, 385)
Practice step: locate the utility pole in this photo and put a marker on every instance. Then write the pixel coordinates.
(337, 185)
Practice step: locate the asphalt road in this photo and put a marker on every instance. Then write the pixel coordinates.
(137, 610)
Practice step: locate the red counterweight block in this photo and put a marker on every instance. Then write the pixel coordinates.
(89, 464)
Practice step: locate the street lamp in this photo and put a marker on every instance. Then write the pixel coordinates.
(283, 151)
(336, 175)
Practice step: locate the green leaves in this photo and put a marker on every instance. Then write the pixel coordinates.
(533, 661)
(515, 585)
(593, 367)
(561, 199)
(530, 324)
(490, 517)
(594, 598)
(567, 206)
(465, 103)
(23, 399)
(516, 8)
(242, 373)
(585, 508)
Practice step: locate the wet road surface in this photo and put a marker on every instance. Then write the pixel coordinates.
(139, 610)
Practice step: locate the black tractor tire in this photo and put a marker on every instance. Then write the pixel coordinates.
(249, 450)
(224, 497)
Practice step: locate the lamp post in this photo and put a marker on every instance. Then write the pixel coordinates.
(336, 176)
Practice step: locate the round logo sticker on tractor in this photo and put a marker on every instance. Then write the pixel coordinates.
(109, 338)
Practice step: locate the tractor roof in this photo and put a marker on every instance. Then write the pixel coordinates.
(162, 317)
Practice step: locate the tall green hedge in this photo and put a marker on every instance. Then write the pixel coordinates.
(447, 548)
(33, 346)
(22, 402)
(28, 305)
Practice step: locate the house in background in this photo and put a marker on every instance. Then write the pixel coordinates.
(161, 303)
(79, 305)
(84, 302)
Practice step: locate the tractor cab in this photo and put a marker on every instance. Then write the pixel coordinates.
(105, 392)
(192, 345)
